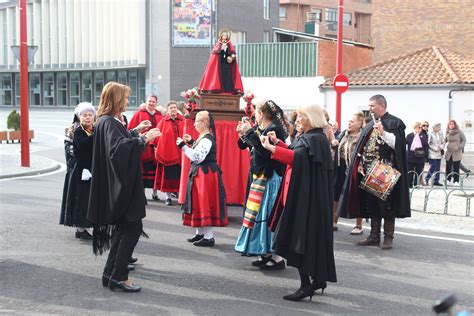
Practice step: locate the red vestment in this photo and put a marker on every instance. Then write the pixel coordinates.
(211, 81)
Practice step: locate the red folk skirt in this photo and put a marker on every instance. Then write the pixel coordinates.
(205, 209)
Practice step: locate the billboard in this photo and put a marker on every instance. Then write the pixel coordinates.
(192, 22)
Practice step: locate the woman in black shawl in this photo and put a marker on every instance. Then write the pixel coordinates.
(304, 234)
(117, 199)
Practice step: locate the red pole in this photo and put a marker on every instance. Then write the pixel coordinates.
(339, 57)
(24, 124)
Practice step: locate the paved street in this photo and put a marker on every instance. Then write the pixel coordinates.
(45, 270)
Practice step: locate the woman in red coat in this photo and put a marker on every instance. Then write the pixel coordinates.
(147, 113)
(222, 72)
(168, 156)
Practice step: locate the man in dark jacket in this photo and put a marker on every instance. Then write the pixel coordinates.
(382, 139)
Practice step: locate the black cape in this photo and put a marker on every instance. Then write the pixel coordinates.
(77, 195)
(117, 191)
(304, 233)
(349, 205)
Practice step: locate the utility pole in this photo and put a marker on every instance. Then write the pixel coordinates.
(24, 105)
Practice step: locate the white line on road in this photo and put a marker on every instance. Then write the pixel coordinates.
(424, 236)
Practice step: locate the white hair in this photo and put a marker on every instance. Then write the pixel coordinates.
(84, 107)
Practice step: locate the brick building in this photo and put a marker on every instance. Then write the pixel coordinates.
(319, 17)
(401, 26)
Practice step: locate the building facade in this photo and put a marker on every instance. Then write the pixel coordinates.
(319, 17)
(83, 44)
(404, 25)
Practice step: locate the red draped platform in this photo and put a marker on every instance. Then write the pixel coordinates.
(233, 161)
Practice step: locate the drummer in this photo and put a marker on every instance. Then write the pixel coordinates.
(382, 139)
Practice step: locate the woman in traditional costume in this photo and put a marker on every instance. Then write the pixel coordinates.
(255, 238)
(303, 234)
(74, 213)
(205, 204)
(167, 155)
(222, 72)
(148, 112)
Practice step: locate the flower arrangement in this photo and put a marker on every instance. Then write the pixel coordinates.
(191, 96)
(249, 108)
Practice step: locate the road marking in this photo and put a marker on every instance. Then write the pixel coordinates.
(423, 235)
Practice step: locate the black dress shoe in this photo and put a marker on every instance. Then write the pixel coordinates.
(114, 285)
(168, 201)
(130, 267)
(155, 197)
(300, 294)
(262, 261)
(133, 260)
(83, 235)
(437, 184)
(274, 266)
(195, 238)
(205, 242)
(105, 280)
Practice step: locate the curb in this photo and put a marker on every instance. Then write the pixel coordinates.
(54, 167)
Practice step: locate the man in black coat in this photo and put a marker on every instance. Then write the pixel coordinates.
(383, 139)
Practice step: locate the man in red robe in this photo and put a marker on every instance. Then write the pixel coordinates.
(167, 155)
(222, 72)
(148, 112)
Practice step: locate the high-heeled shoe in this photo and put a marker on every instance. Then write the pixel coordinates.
(315, 285)
(121, 285)
(300, 294)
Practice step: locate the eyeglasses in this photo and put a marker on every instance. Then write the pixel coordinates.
(425, 125)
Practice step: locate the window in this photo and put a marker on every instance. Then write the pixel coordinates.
(61, 84)
(35, 89)
(347, 19)
(74, 88)
(98, 85)
(122, 77)
(266, 9)
(110, 76)
(266, 36)
(3, 21)
(17, 89)
(283, 16)
(238, 37)
(48, 89)
(6, 89)
(87, 86)
(133, 85)
(331, 19)
(317, 14)
(142, 81)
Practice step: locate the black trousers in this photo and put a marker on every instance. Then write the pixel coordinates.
(452, 166)
(124, 240)
(417, 167)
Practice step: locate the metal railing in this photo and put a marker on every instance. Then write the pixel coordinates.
(450, 191)
(278, 59)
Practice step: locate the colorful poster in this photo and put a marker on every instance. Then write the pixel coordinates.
(192, 22)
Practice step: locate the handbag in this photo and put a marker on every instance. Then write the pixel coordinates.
(419, 152)
(380, 179)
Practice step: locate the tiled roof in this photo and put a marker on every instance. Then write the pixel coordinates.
(428, 66)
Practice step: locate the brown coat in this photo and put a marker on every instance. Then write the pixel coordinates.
(455, 141)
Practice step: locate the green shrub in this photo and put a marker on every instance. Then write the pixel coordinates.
(13, 120)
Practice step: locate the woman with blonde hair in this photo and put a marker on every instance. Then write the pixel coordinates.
(117, 199)
(303, 232)
(417, 146)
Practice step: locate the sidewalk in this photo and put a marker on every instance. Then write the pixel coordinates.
(10, 162)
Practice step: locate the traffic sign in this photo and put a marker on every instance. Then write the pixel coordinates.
(340, 83)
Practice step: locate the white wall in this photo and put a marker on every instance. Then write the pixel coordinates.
(410, 105)
(288, 93)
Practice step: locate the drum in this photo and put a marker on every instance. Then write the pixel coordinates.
(380, 179)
